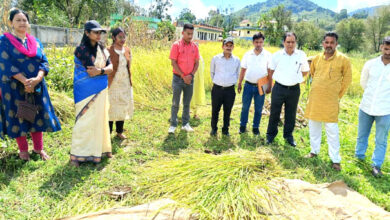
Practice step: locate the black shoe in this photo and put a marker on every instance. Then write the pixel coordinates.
(213, 132)
(242, 129)
(256, 131)
(376, 172)
(269, 140)
(291, 142)
(226, 133)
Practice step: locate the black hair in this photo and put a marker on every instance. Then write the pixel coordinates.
(287, 34)
(386, 40)
(85, 39)
(16, 11)
(258, 36)
(188, 26)
(117, 31)
(331, 34)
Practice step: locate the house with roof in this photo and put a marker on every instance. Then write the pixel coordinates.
(246, 30)
(202, 32)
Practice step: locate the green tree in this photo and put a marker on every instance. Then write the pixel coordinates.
(277, 21)
(126, 8)
(230, 22)
(326, 24)
(165, 30)
(68, 12)
(350, 33)
(377, 25)
(361, 15)
(215, 18)
(159, 8)
(187, 15)
(308, 35)
(342, 15)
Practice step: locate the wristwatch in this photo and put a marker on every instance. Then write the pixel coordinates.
(102, 71)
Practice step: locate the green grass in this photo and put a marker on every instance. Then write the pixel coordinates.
(157, 165)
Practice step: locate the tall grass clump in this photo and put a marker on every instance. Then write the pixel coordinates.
(227, 186)
(63, 106)
(4, 9)
(61, 62)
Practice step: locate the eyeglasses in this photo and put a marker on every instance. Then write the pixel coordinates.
(121, 37)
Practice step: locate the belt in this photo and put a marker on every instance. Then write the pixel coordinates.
(288, 87)
(221, 87)
(252, 84)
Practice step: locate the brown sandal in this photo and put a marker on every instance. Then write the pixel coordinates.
(24, 155)
(42, 154)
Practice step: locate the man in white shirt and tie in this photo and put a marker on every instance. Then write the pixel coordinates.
(375, 106)
(224, 70)
(254, 66)
(288, 68)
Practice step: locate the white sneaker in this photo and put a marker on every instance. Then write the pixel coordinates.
(171, 129)
(187, 128)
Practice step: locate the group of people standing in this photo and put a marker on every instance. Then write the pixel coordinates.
(102, 91)
(281, 74)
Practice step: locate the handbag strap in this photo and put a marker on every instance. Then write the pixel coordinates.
(32, 97)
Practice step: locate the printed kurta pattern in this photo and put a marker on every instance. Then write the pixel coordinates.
(13, 62)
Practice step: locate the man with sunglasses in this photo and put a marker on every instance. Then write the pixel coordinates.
(331, 72)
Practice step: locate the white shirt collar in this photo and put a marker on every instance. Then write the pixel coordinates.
(252, 52)
(285, 52)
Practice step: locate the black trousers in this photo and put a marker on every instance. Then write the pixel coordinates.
(289, 96)
(118, 125)
(222, 96)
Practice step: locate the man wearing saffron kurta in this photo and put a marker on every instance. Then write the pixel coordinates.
(331, 72)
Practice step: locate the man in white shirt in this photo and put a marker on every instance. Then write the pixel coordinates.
(375, 106)
(287, 68)
(253, 68)
(224, 70)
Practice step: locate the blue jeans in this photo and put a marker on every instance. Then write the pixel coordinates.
(382, 126)
(250, 92)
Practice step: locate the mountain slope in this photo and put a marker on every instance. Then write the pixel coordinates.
(301, 9)
(369, 10)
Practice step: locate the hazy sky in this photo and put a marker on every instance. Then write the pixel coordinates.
(201, 7)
